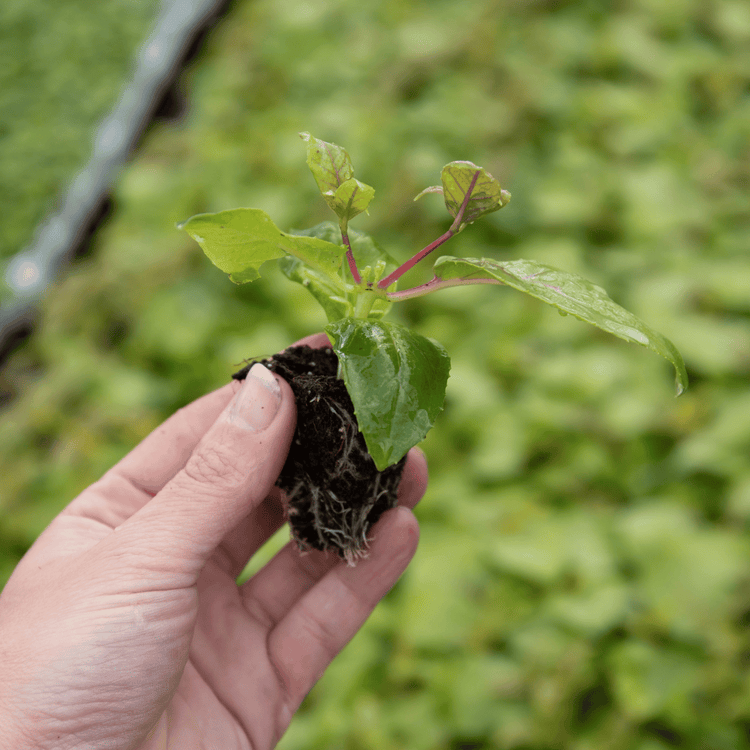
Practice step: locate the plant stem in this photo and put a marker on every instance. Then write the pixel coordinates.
(460, 215)
(402, 269)
(454, 228)
(433, 285)
(349, 254)
(363, 305)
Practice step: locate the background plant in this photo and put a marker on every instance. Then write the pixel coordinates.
(582, 576)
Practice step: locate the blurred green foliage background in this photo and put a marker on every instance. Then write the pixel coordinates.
(583, 577)
(61, 70)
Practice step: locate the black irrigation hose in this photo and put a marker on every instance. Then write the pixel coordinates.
(176, 39)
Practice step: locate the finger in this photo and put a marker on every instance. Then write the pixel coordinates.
(315, 341)
(252, 532)
(414, 480)
(230, 472)
(244, 541)
(325, 619)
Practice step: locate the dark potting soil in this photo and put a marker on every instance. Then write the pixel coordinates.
(335, 493)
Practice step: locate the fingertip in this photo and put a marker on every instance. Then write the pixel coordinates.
(407, 526)
(414, 480)
(396, 537)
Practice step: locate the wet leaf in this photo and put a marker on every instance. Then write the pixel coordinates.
(568, 292)
(396, 379)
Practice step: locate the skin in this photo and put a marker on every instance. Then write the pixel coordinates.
(123, 626)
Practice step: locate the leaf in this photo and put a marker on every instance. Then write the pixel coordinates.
(369, 253)
(241, 240)
(396, 379)
(351, 198)
(645, 679)
(330, 295)
(431, 189)
(334, 174)
(486, 194)
(329, 163)
(329, 291)
(568, 292)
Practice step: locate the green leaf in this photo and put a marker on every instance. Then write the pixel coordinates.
(329, 163)
(351, 198)
(334, 174)
(369, 254)
(241, 240)
(645, 680)
(431, 189)
(568, 292)
(486, 194)
(396, 379)
(330, 291)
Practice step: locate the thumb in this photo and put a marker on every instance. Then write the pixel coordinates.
(230, 472)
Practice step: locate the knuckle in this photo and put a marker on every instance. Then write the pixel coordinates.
(218, 468)
(324, 634)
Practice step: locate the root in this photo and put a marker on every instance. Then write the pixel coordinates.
(334, 491)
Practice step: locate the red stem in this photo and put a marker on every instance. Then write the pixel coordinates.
(434, 284)
(402, 269)
(350, 257)
(459, 217)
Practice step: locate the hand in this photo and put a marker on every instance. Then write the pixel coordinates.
(123, 626)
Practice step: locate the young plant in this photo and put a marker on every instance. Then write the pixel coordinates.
(395, 377)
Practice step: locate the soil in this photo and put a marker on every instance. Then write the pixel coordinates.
(334, 491)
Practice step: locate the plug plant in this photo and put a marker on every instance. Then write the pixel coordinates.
(396, 378)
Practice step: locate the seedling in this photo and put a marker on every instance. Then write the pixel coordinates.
(395, 377)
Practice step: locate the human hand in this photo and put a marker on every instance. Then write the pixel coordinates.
(123, 626)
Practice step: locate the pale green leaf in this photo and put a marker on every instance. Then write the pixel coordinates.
(431, 189)
(241, 240)
(352, 198)
(329, 163)
(328, 290)
(486, 194)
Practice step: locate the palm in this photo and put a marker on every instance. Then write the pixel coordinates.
(238, 682)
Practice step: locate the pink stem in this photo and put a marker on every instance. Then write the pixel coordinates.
(350, 257)
(402, 269)
(459, 217)
(435, 284)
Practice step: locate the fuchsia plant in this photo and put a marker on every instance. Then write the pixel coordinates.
(395, 377)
